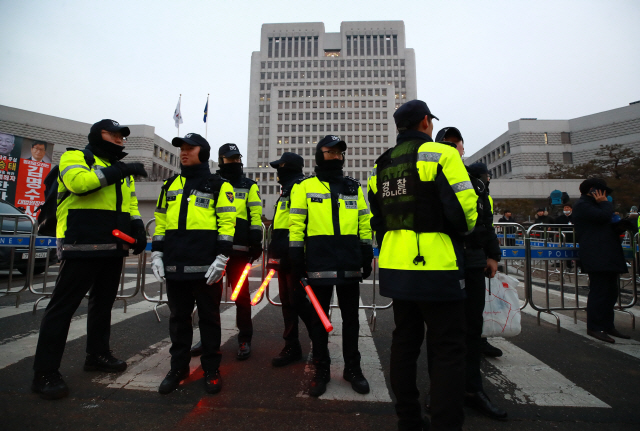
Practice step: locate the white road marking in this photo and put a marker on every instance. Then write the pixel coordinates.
(147, 369)
(340, 389)
(25, 346)
(536, 383)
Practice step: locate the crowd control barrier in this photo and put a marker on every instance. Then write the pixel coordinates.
(17, 250)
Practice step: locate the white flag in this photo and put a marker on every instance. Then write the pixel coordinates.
(177, 115)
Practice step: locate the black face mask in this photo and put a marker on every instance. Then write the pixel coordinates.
(231, 169)
(330, 170)
(105, 149)
(286, 173)
(328, 165)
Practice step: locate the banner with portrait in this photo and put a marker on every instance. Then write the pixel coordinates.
(24, 164)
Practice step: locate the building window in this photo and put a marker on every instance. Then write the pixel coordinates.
(567, 158)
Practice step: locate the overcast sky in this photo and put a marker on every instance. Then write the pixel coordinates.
(480, 64)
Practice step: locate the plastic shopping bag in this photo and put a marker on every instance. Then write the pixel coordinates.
(501, 308)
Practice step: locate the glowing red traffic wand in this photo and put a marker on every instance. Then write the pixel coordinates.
(316, 304)
(123, 236)
(262, 287)
(243, 277)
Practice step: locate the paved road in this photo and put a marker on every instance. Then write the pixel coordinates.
(545, 380)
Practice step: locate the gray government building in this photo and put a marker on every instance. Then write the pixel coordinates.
(307, 83)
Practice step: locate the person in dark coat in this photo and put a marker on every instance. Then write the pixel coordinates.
(542, 217)
(601, 256)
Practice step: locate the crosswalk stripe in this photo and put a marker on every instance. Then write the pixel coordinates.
(147, 369)
(340, 389)
(536, 383)
(25, 346)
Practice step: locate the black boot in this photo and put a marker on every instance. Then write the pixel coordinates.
(104, 362)
(290, 353)
(212, 381)
(172, 380)
(49, 385)
(489, 350)
(480, 402)
(353, 373)
(196, 350)
(244, 351)
(321, 376)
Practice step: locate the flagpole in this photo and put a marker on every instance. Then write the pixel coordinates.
(180, 105)
(206, 123)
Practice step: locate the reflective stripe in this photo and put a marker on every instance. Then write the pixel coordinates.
(364, 212)
(366, 241)
(241, 247)
(271, 260)
(348, 197)
(462, 283)
(61, 195)
(102, 178)
(352, 274)
(254, 227)
(226, 209)
(429, 157)
(298, 211)
(128, 179)
(296, 243)
(92, 247)
(161, 210)
(170, 268)
(462, 186)
(225, 238)
(72, 167)
(374, 171)
(319, 195)
(323, 274)
(133, 194)
(158, 238)
(172, 193)
(254, 204)
(192, 269)
(284, 199)
(136, 218)
(201, 194)
(240, 190)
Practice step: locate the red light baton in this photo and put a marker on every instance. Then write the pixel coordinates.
(262, 287)
(123, 236)
(316, 304)
(243, 277)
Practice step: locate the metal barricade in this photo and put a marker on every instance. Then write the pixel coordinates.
(512, 249)
(17, 236)
(142, 269)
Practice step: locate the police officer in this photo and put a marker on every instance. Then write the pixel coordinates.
(330, 217)
(96, 194)
(481, 257)
(195, 219)
(418, 215)
(292, 295)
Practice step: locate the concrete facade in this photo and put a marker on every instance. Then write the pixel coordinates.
(528, 147)
(306, 83)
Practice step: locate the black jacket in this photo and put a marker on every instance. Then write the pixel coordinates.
(600, 248)
(482, 243)
(503, 219)
(563, 219)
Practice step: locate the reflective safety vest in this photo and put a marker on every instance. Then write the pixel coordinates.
(427, 266)
(332, 220)
(278, 249)
(92, 209)
(192, 230)
(248, 215)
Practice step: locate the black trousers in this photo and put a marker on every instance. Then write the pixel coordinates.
(98, 276)
(348, 301)
(295, 304)
(603, 294)
(182, 295)
(235, 266)
(473, 310)
(446, 350)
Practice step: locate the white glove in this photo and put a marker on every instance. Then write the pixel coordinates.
(216, 270)
(157, 265)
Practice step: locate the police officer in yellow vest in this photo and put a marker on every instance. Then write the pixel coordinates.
(329, 217)
(96, 194)
(292, 295)
(195, 224)
(422, 199)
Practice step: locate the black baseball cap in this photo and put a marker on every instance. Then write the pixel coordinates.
(330, 141)
(291, 158)
(411, 113)
(191, 139)
(110, 126)
(594, 183)
(449, 132)
(228, 150)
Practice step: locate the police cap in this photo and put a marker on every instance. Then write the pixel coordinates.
(110, 126)
(411, 113)
(289, 158)
(229, 150)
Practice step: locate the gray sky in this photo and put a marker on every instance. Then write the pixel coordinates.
(479, 64)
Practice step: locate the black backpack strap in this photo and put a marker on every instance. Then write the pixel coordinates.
(164, 188)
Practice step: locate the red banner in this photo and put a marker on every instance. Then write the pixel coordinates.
(30, 187)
